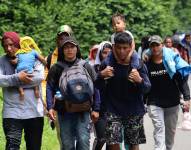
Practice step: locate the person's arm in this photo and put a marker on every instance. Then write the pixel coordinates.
(38, 75)
(42, 59)
(96, 100)
(95, 106)
(141, 79)
(49, 96)
(51, 87)
(11, 80)
(182, 84)
(52, 84)
(50, 101)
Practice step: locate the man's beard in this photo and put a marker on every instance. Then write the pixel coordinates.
(10, 57)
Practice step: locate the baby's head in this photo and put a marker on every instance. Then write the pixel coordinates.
(27, 43)
(118, 22)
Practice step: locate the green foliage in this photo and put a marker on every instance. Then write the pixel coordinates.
(182, 11)
(91, 20)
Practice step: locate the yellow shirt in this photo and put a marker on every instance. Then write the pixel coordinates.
(53, 61)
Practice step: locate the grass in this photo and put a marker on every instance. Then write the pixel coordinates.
(49, 140)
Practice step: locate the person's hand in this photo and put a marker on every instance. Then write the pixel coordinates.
(134, 76)
(25, 77)
(186, 106)
(145, 58)
(52, 114)
(107, 72)
(94, 116)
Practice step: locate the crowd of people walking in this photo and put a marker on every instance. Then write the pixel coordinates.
(109, 92)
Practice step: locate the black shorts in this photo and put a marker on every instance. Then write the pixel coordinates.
(130, 127)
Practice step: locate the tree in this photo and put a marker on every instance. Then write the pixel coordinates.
(90, 20)
(182, 11)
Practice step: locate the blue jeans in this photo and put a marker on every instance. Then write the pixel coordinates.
(75, 127)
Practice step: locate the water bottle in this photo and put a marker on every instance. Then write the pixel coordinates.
(58, 105)
(58, 96)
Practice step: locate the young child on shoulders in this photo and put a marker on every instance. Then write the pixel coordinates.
(119, 25)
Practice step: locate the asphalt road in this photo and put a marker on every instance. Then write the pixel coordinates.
(182, 137)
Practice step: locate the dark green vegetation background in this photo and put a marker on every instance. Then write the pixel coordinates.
(91, 23)
(91, 20)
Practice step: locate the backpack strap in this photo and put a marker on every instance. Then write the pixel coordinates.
(82, 63)
(79, 62)
(62, 65)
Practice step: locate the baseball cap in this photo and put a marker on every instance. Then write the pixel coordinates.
(155, 39)
(64, 29)
(70, 40)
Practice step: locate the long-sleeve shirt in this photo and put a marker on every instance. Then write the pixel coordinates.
(53, 84)
(122, 97)
(13, 107)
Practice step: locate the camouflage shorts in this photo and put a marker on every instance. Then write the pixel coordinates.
(130, 128)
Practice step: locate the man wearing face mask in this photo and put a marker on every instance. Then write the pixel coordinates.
(168, 75)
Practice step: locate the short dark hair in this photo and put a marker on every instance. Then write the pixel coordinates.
(118, 15)
(107, 45)
(123, 38)
(145, 42)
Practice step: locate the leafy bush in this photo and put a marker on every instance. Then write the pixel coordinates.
(90, 20)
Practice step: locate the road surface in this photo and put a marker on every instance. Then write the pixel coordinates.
(182, 138)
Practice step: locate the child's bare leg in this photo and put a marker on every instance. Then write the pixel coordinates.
(21, 93)
(36, 92)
